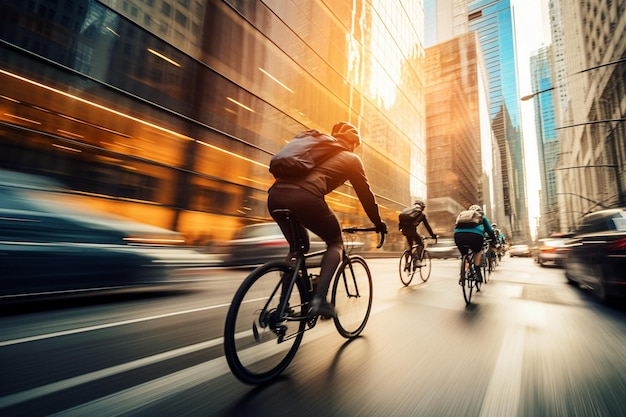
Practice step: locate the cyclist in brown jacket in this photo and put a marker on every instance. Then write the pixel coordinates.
(304, 196)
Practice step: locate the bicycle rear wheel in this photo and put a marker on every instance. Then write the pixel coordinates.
(406, 267)
(485, 265)
(467, 279)
(258, 343)
(425, 268)
(352, 296)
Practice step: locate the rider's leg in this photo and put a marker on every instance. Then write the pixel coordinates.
(420, 247)
(322, 221)
(478, 256)
(460, 239)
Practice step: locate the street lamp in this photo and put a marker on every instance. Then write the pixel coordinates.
(536, 93)
(586, 199)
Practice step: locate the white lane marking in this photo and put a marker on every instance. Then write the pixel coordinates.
(150, 392)
(105, 326)
(503, 392)
(33, 393)
(211, 370)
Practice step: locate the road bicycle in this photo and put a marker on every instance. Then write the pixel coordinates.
(491, 253)
(268, 315)
(411, 262)
(469, 277)
(486, 262)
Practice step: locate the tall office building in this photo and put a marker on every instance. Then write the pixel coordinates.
(457, 123)
(169, 111)
(589, 47)
(493, 21)
(541, 72)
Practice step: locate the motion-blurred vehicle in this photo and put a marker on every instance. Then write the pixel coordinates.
(552, 251)
(50, 242)
(444, 248)
(597, 254)
(256, 244)
(519, 250)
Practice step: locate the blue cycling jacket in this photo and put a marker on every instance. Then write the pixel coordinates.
(481, 229)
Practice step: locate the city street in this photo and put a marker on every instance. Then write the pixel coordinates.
(529, 345)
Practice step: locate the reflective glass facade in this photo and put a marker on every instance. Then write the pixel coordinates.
(547, 142)
(169, 111)
(493, 20)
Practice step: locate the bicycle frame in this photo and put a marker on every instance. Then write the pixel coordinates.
(300, 266)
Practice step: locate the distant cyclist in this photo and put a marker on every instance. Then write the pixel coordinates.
(471, 233)
(408, 221)
(499, 238)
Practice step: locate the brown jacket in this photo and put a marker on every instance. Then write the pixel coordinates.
(333, 172)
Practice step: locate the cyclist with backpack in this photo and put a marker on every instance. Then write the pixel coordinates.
(304, 194)
(408, 221)
(471, 226)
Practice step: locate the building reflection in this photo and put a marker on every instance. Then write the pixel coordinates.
(168, 112)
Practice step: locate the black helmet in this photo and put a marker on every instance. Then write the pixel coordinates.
(347, 133)
(420, 203)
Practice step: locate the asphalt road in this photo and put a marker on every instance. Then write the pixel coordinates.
(529, 345)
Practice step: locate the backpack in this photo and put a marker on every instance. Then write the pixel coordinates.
(302, 153)
(468, 219)
(409, 215)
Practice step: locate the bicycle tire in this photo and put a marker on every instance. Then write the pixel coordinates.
(352, 296)
(426, 266)
(253, 347)
(467, 281)
(406, 267)
(485, 268)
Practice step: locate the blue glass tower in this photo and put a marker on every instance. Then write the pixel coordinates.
(493, 20)
(547, 142)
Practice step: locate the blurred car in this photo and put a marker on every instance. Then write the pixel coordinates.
(519, 250)
(444, 248)
(597, 254)
(51, 242)
(256, 244)
(552, 251)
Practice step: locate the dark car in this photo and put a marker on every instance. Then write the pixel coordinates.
(444, 248)
(263, 242)
(597, 254)
(50, 242)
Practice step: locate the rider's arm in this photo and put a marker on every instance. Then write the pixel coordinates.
(359, 181)
(489, 229)
(428, 228)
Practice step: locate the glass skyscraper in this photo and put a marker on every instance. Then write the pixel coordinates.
(493, 20)
(168, 112)
(547, 142)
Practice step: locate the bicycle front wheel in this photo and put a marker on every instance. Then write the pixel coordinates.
(352, 296)
(425, 268)
(258, 343)
(406, 267)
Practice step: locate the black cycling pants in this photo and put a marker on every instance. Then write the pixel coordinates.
(315, 215)
(473, 240)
